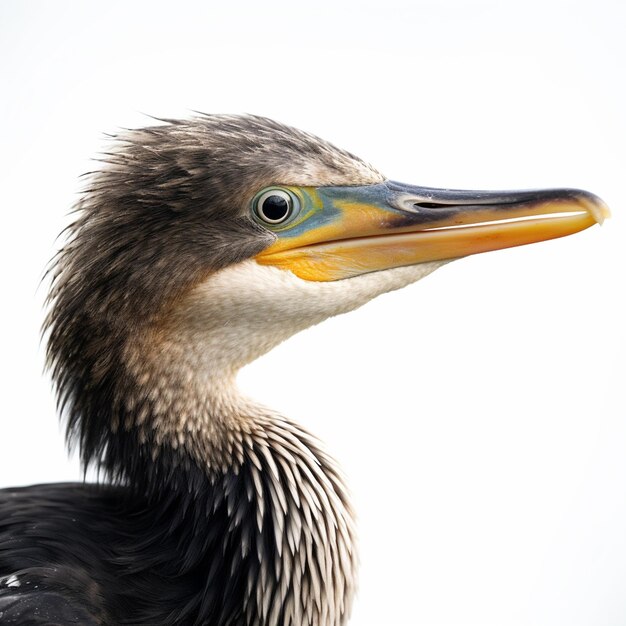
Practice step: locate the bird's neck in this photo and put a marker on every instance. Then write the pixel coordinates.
(273, 502)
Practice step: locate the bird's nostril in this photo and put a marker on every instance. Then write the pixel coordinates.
(429, 205)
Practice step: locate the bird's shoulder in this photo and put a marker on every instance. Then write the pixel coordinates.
(51, 538)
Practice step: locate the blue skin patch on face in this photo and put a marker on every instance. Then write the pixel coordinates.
(319, 205)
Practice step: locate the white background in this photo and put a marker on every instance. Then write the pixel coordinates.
(479, 414)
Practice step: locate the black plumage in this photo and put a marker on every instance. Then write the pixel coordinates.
(124, 558)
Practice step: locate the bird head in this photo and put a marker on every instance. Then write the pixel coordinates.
(203, 243)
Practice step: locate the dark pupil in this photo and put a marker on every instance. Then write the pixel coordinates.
(275, 208)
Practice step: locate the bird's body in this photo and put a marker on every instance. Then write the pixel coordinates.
(200, 246)
(188, 555)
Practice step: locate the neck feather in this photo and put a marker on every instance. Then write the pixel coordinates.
(275, 527)
(278, 510)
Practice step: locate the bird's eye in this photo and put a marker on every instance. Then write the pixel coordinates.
(275, 206)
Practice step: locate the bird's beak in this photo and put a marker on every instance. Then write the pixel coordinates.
(346, 231)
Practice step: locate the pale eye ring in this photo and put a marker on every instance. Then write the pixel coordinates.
(275, 206)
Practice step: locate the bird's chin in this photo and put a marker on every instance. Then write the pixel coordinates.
(307, 302)
(244, 310)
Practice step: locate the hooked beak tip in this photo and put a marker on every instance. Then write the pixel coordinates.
(596, 207)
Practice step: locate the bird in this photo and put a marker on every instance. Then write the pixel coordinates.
(198, 245)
